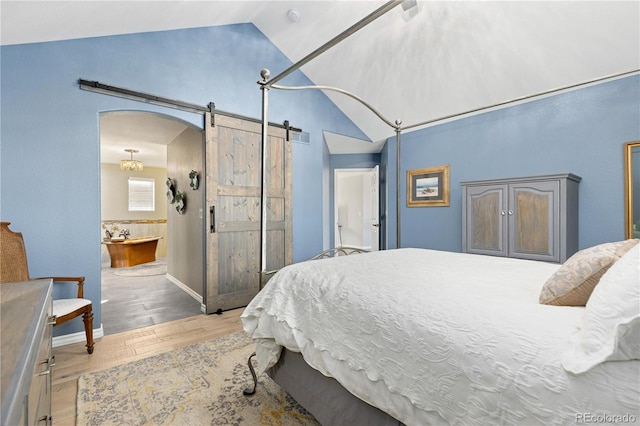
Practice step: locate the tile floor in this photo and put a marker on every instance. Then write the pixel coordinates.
(129, 303)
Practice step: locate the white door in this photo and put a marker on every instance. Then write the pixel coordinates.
(374, 229)
(356, 208)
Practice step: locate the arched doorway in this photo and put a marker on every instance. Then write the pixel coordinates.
(167, 147)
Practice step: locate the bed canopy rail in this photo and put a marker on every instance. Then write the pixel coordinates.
(523, 98)
(337, 39)
(344, 92)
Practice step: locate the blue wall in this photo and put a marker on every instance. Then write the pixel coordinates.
(581, 131)
(50, 157)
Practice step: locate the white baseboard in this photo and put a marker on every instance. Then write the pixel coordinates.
(69, 339)
(187, 290)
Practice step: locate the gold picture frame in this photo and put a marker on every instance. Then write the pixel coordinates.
(631, 192)
(428, 187)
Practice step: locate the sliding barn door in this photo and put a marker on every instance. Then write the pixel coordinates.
(233, 185)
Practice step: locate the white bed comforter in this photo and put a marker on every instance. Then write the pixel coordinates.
(435, 337)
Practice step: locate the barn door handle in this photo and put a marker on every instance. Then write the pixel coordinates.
(212, 218)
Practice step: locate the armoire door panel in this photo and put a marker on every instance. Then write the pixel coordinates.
(485, 222)
(532, 223)
(486, 214)
(534, 220)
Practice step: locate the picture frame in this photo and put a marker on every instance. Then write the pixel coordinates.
(428, 187)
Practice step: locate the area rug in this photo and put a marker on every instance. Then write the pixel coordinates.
(144, 270)
(200, 384)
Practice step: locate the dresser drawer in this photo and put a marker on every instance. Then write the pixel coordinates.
(39, 398)
(25, 318)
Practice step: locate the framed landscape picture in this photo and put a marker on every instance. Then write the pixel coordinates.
(428, 187)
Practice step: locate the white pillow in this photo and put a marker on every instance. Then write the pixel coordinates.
(611, 322)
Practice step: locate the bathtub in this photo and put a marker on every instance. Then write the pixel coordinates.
(131, 252)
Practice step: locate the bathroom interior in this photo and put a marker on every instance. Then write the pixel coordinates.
(136, 290)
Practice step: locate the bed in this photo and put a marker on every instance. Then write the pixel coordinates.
(425, 337)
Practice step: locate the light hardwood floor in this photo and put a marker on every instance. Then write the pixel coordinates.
(72, 360)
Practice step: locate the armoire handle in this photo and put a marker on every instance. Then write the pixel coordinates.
(212, 218)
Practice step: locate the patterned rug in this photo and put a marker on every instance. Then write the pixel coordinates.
(200, 384)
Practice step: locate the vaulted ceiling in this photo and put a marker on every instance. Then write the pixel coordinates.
(433, 60)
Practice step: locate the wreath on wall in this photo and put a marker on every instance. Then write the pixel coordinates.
(179, 198)
(171, 193)
(181, 202)
(195, 182)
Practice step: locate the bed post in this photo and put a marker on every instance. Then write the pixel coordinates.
(265, 74)
(251, 391)
(398, 228)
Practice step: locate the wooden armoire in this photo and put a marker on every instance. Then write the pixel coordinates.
(233, 193)
(528, 218)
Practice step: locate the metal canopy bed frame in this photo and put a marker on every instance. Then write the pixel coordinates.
(321, 395)
(267, 82)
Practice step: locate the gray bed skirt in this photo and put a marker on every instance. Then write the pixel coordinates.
(324, 397)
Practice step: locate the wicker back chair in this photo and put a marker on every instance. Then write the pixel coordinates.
(14, 268)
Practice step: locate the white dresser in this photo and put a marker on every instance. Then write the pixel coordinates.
(27, 360)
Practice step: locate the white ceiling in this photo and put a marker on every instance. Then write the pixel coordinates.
(146, 132)
(437, 59)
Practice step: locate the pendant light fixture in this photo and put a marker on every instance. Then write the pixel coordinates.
(131, 164)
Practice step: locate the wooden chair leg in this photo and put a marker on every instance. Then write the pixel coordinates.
(87, 318)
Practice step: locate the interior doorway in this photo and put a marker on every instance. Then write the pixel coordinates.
(138, 296)
(357, 208)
